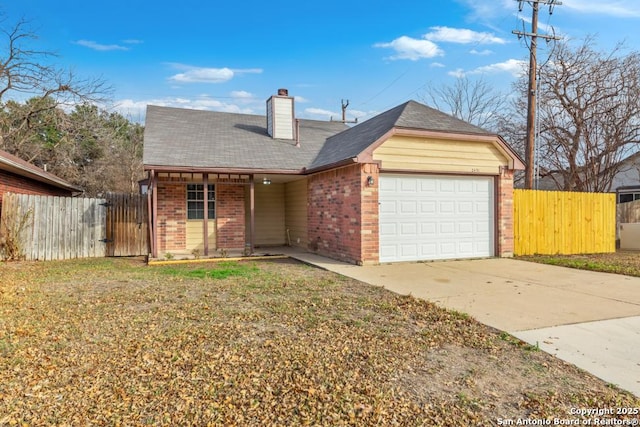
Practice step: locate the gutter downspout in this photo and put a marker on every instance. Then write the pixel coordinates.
(205, 220)
(154, 207)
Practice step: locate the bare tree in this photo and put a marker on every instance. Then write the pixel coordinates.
(474, 101)
(589, 115)
(27, 72)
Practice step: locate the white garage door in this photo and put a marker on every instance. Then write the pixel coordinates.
(435, 217)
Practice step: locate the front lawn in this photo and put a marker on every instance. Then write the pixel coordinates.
(115, 342)
(620, 262)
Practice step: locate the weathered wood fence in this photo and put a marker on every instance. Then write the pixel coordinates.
(555, 222)
(127, 225)
(75, 227)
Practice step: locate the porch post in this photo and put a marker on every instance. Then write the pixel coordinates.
(205, 221)
(252, 203)
(154, 214)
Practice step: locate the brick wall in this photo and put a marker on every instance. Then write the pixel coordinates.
(505, 214)
(370, 220)
(17, 184)
(343, 214)
(172, 216)
(230, 217)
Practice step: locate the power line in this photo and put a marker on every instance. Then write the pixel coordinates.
(530, 150)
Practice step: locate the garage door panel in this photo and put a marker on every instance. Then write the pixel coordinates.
(388, 230)
(409, 230)
(435, 217)
(428, 207)
(466, 227)
(408, 207)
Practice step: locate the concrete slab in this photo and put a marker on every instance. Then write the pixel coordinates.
(607, 349)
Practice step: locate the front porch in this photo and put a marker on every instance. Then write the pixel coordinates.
(245, 213)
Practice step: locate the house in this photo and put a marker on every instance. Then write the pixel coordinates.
(410, 184)
(19, 176)
(623, 178)
(626, 182)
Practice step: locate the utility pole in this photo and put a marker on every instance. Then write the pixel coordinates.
(344, 113)
(533, 83)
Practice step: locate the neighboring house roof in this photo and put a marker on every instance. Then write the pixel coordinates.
(194, 139)
(627, 175)
(17, 166)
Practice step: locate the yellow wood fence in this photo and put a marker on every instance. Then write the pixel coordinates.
(559, 222)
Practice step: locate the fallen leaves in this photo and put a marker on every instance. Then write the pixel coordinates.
(115, 342)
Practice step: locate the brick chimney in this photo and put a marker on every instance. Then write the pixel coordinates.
(280, 116)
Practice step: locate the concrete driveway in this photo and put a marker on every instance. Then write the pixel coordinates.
(589, 319)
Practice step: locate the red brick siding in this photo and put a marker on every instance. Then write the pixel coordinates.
(505, 214)
(230, 217)
(343, 214)
(172, 216)
(370, 220)
(18, 184)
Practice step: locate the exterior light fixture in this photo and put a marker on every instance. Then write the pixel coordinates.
(266, 181)
(370, 181)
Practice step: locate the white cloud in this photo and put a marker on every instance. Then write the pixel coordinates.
(132, 41)
(481, 52)
(412, 49)
(136, 109)
(99, 47)
(487, 10)
(321, 112)
(457, 73)
(462, 36)
(301, 99)
(208, 75)
(617, 8)
(241, 94)
(515, 67)
(437, 65)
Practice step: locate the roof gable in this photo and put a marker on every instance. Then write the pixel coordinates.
(410, 115)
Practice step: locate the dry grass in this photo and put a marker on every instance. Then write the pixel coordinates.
(620, 262)
(114, 342)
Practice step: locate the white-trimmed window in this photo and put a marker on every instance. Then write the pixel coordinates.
(628, 197)
(195, 201)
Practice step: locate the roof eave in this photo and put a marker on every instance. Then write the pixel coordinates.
(322, 168)
(224, 170)
(43, 177)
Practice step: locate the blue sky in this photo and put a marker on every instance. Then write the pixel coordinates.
(231, 56)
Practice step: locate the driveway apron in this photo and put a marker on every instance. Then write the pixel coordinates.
(589, 319)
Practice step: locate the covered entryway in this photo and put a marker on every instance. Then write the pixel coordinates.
(430, 217)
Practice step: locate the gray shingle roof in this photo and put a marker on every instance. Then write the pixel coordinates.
(176, 137)
(193, 138)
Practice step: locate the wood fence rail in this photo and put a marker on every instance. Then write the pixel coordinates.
(57, 227)
(555, 222)
(76, 227)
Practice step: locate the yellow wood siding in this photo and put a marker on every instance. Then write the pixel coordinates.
(555, 222)
(433, 155)
(296, 212)
(269, 214)
(194, 235)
